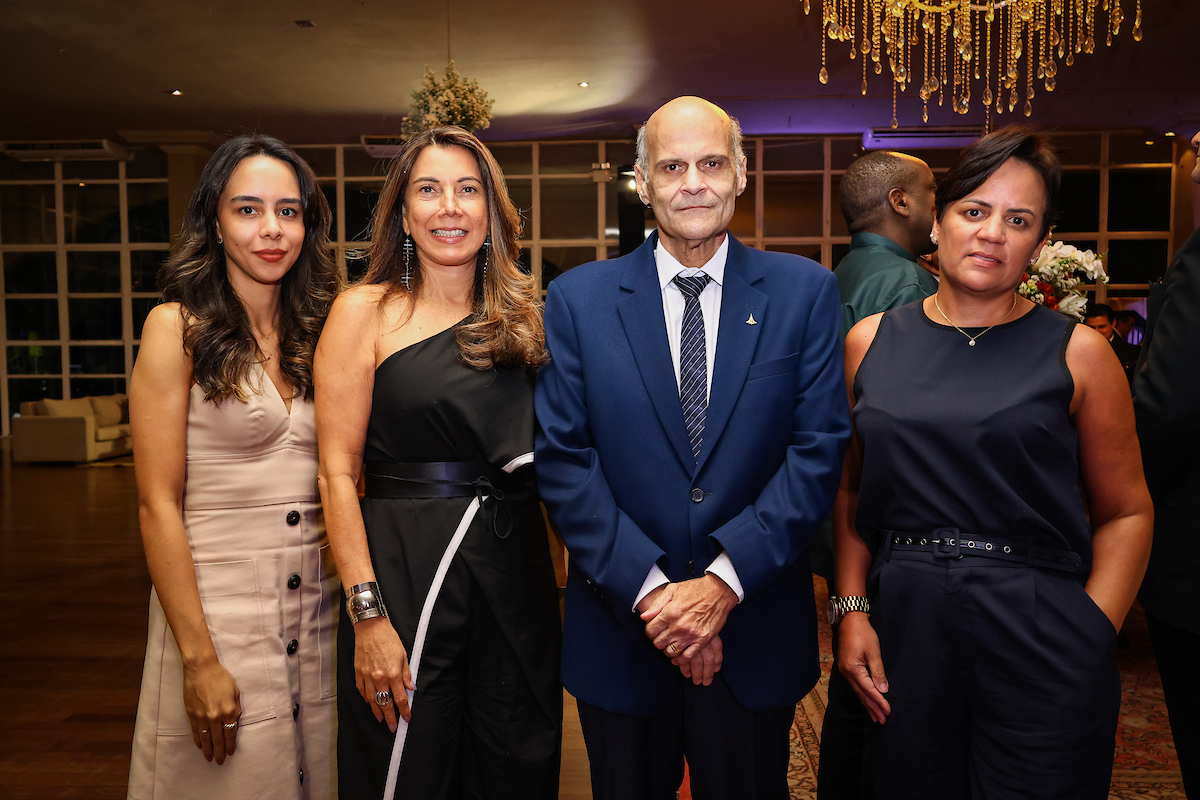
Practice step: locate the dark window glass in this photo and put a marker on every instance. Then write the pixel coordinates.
(89, 170)
(1079, 202)
(1124, 148)
(840, 249)
(1136, 261)
(323, 160)
(620, 154)
(792, 205)
(514, 159)
(1082, 244)
(812, 251)
(97, 359)
(330, 192)
(27, 215)
(91, 213)
(98, 318)
(357, 163)
(624, 184)
(557, 260)
(361, 199)
(34, 359)
(525, 261)
(1139, 199)
(149, 213)
(569, 209)
(557, 159)
(356, 264)
(520, 191)
(1083, 149)
(837, 220)
(13, 170)
(31, 319)
(146, 162)
(92, 387)
(843, 152)
(141, 307)
(29, 273)
(143, 269)
(27, 390)
(91, 272)
(793, 154)
(742, 225)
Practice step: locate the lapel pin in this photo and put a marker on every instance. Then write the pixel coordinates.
(750, 319)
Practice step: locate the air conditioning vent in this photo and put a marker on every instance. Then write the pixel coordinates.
(921, 137)
(66, 150)
(382, 146)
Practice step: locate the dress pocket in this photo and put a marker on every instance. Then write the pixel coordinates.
(231, 594)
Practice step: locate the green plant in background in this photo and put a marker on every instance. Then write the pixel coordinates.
(454, 100)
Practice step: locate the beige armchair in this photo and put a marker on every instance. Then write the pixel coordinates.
(79, 430)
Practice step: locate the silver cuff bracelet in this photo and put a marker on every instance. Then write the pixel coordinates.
(365, 602)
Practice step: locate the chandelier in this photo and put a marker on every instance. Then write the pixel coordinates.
(955, 45)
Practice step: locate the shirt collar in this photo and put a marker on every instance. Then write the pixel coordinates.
(668, 267)
(865, 239)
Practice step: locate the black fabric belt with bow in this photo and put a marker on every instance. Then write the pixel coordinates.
(427, 479)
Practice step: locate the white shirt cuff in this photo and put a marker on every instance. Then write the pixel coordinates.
(655, 579)
(722, 567)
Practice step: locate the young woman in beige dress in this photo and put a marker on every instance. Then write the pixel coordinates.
(238, 693)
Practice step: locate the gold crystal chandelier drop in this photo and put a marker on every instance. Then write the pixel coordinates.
(955, 45)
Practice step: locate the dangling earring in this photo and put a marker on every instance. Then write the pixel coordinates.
(486, 247)
(933, 237)
(406, 279)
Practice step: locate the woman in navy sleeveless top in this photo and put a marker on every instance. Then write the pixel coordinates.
(993, 586)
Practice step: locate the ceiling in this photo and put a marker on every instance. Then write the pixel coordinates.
(97, 68)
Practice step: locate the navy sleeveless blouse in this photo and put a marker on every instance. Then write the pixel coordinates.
(975, 438)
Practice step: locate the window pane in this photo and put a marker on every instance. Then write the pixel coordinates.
(742, 224)
(323, 160)
(26, 390)
(141, 307)
(1082, 149)
(843, 152)
(329, 189)
(1139, 199)
(621, 190)
(356, 163)
(1136, 261)
(563, 158)
(520, 191)
(13, 170)
(94, 318)
(143, 269)
(31, 319)
(837, 220)
(35, 359)
(147, 162)
(87, 170)
(514, 159)
(793, 154)
(29, 272)
(1124, 148)
(525, 260)
(91, 213)
(569, 209)
(557, 260)
(356, 264)
(840, 249)
(91, 387)
(1079, 202)
(93, 272)
(149, 218)
(97, 359)
(792, 205)
(360, 205)
(27, 215)
(622, 154)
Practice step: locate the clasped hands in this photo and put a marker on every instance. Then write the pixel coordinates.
(684, 620)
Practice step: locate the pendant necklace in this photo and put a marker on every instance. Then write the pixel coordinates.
(971, 339)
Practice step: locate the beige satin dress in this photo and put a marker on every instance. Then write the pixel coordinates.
(268, 585)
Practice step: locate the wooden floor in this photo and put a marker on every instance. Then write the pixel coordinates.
(73, 599)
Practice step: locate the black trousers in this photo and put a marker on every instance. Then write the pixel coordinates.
(841, 771)
(732, 753)
(1177, 652)
(1002, 681)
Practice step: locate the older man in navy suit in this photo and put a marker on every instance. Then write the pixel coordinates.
(693, 419)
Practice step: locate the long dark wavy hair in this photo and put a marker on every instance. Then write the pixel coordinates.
(217, 333)
(506, 324)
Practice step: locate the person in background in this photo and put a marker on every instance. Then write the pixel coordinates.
(1101, 318)
(889, 205)
(984, 590)
(1130, 326)
(237, 692)
(1167, 403)
(691, 430)
(425, 376)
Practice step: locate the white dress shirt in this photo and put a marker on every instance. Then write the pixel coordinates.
(710, 306)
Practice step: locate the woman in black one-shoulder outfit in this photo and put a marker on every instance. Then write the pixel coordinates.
(424, 384)
(984, 592)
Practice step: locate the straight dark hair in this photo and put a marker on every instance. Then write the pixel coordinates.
(981, 160)
(217, 333)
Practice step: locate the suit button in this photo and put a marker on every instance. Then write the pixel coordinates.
(691, 569)
(293, 646)
(697, 495)
(294, 582)
(302, 776)
(293, 518)
(295, 711)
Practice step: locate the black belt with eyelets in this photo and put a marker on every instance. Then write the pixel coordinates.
(952, 543)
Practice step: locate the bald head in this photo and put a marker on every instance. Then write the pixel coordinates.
(690, 112)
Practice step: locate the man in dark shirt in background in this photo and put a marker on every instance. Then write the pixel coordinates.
(1102, 319)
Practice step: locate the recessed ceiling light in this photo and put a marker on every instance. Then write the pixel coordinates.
(1149, 141)
(305, 23)
(176, 93)
(1169, 134)
(584, 84)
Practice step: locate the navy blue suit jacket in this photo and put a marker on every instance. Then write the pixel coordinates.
(616, 470)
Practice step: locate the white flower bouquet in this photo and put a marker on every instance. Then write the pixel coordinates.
(451, 101)
(1057, 277)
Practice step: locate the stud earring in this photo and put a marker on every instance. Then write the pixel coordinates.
(219, 239)
(406, 279)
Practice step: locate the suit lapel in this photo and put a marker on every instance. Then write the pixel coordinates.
(736, 342)
(646, 330)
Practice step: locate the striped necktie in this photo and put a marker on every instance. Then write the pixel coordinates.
(693, 360)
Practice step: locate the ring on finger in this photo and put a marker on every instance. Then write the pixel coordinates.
(383, 698)
(229, 726)
(204, 731)
(673, 649)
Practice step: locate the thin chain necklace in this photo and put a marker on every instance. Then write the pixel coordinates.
(971, 339)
